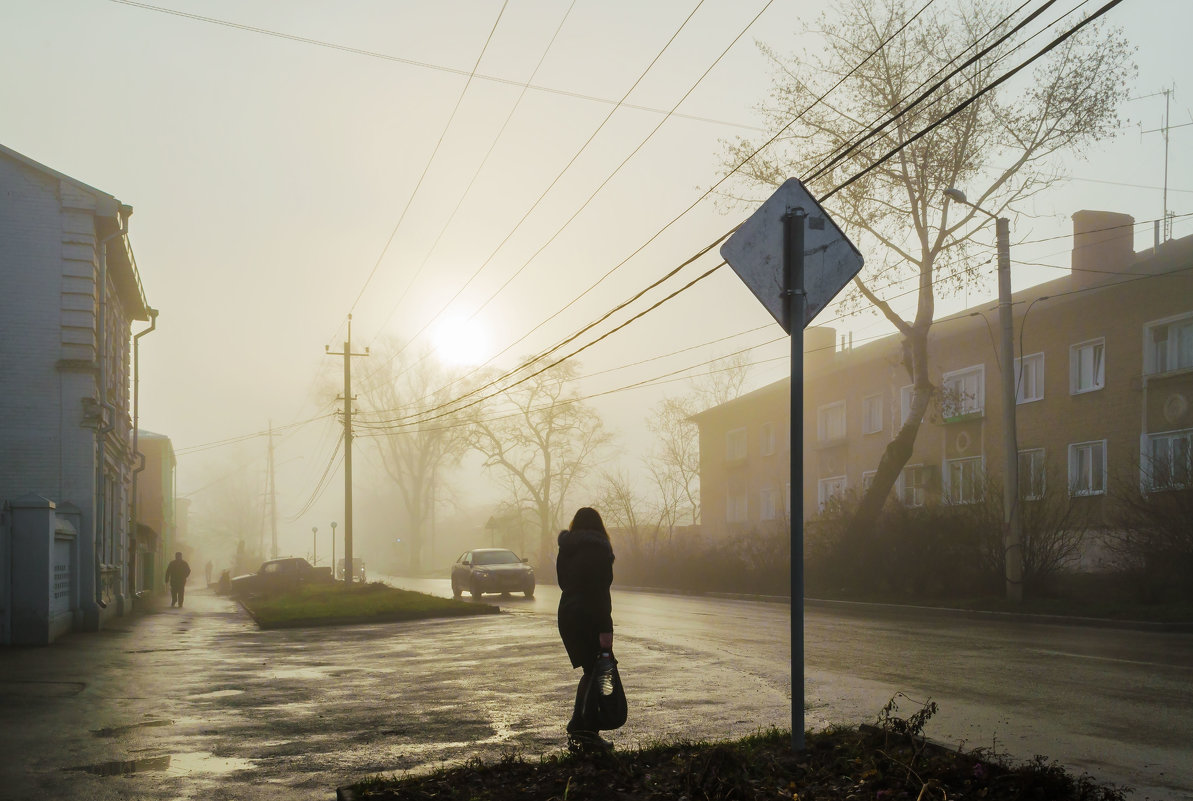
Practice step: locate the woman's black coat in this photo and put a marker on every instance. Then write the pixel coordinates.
(584, 569)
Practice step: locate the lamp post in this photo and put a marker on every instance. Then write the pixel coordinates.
(333, 548)
(1011, 514)
(314, 550)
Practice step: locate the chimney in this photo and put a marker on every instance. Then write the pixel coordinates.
(820, 343)
(1103, 242)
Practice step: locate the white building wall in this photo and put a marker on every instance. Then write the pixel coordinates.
(49, 394)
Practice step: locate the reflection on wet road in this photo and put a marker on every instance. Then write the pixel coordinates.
(1113, 702)
(199, 703)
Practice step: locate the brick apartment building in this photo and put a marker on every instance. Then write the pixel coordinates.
(72, 291)
(1105, 396)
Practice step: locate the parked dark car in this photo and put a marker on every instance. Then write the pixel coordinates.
(358, 569)
(491, 570)
(278, 575)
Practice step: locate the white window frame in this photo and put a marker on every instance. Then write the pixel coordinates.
(767, 510)
(823, 420)
(737, 507)
(736, 439)
(1098, 379)
(918, 491)
(1032, 481)
(905, 395)
(955, 488)
(967, 405)
(1030, 365)
(868, 480)
(825, 489)
(768, 439)
(1171, 362)
(1169, 438)
(872, 414)
(1077, 486)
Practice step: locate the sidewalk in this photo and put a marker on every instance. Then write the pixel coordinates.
(199, 703)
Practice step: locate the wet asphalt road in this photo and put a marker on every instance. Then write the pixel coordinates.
(197, 703)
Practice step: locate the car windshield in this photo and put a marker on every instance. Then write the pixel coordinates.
(495, 558)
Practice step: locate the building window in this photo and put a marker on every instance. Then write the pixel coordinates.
(1029, 374)
(736, 508)
(1087, 366)
(964, 480)
(871, 414)
(830, 421)
(1031, 474)
(766, 503)
(1087, 468)
(735, 445)
(768, 439)
(1170, 460)
(963, 392)
(913, 481)
(1168, 346)
(905, 403)
(829, 488)
(868, 480)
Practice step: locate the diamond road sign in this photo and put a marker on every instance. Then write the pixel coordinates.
(755, 252)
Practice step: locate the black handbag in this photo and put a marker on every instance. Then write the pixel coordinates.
(605, 706)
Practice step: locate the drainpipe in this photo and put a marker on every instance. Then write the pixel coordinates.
(103, 429)
(140, 457)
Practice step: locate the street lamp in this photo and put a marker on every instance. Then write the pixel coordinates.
(333, 548)
(1011, 514)
(314, 552)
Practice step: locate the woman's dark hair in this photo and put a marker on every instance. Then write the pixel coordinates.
(588, 519)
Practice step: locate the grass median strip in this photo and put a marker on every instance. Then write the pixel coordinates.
(338, 604)
(837, 765)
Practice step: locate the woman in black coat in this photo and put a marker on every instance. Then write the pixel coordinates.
(584, 569)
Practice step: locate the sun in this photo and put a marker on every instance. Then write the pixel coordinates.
(461, 343)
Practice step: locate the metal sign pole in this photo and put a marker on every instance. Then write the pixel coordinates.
(793, 269)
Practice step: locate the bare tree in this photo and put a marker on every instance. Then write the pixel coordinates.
(624, 510)
(997, 149)
(541, 439)
(673, 462)
(414, 454)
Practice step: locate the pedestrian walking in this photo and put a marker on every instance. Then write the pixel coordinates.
(584, 568)
(207, 570)
(176, 573)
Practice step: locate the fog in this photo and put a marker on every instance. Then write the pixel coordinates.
(281, 185)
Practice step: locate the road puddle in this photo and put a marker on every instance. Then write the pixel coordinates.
(217, 694)
(176, 764)
(115, 731)
(126, 767)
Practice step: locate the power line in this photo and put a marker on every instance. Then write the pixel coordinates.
(679, 216)
(562, 359)
(430, 160)
(480, 167)
(415, 63)
(583, 206)
(243, 437)
(973, 98)
(872, 130)
(554, 181)
(323, 483)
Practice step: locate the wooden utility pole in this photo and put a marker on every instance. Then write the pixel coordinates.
(273, 500)
(347, 354)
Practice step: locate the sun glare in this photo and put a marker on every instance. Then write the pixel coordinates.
(461, 342)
